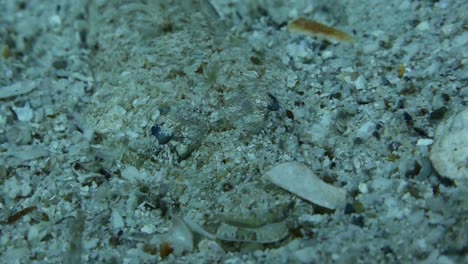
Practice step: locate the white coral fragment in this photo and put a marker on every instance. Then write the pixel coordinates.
(180, 237)
(18, 88)
(300, 180)
(449, 154)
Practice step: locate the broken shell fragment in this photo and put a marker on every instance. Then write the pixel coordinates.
(449, 154)
(300, 180)
(180, 237)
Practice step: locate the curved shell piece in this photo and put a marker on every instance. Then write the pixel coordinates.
(449, 154)
(300, 180)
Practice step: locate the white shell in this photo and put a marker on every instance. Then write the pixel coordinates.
(449, 154)
(300, 180)
(180, 237)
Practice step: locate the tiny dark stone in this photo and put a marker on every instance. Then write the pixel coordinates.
(59, 64)
(256, 60)
(376, 134)
(78, 166)
(323, 46)
(227, 187)
(414, 191)
(387, 250)
(435, 190)
(114, 241)
(379, 126)
(447, 182)
(385, 81)
(423, 111)
(445, 97)
(329, 152)
(421, 132)
(290, 114)
(401, 103)
(414, 22)
(297, 232)
(358, 221)
(22, 5)
(105, 173)
(323, 211)
(262, 11)
(83, 35)
(281, 25)
(408, 119)
(349, 209)
(299, 103)
(363, 101)
(438, 114)
(336, 95)
(274, 104)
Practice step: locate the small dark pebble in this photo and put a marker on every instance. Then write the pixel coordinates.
(376, 135)
(379, 126)
(349, 209)
(438, 114)
(59, 64)
(299, 103)
(447, 182)
(401, 103)
(290, 114)
(227, 187)
(323, 211)
(421, 132)
(114, 241)
(445, 97)
(358, 221)
(408, 119)
(105, 173)
(336, 95)
(274, 104)
(22, 5)
(423, 111)
(387, 250)
(363, 101)
(385, 81)
(256, 60)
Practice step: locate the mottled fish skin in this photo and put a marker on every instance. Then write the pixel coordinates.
(315, 29)
(268, 233)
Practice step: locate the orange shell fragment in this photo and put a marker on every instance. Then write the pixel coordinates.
(315, 29)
